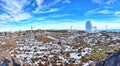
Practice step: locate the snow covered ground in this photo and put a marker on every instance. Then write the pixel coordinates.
(58, 48)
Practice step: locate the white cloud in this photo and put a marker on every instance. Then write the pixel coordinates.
(109, 2)
(48, 11)
(108, 7)
(22, 16)
(39, 2)
(46, 8)
(90, 12)
(4, 17)
(13, 11)
(106, 4)
(36, 19)
(14, 6)
(59, 15)
(97, 1)
(104, 12)
(101, 2)
(66, 1)
(14, 28)
(117, 13)
(53, 3)
(52, 10)
(97, 11)
(3, 22)
(112, 24)
(41, 18)
(65, 25)
(15, 17)
(5, 27)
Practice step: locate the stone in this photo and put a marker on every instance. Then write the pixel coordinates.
(113, 60)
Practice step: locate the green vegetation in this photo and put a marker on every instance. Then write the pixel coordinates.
(99, 53)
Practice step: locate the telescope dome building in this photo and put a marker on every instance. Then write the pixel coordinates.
(88, 26)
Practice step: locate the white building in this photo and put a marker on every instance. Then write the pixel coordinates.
(11, 30)
(94, 29)
(89, 26)
(32, 27)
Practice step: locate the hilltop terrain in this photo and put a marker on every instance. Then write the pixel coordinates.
(62, 47)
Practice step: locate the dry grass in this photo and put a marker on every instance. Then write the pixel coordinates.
(43, 38)
(98, 55)
(8, 43)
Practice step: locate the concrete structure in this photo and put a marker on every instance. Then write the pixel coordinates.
(88, 26)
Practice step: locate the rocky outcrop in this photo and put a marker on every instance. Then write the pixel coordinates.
(114, 60)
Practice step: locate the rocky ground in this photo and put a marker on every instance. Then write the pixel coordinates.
(62, 48)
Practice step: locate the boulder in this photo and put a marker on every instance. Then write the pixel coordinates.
(113, 60)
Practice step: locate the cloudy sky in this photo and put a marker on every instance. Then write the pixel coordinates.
(58, 14)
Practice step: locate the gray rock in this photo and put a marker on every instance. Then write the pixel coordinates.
(111, 61)
(92, 64)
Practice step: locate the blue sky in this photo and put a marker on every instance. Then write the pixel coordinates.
(58, 14)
